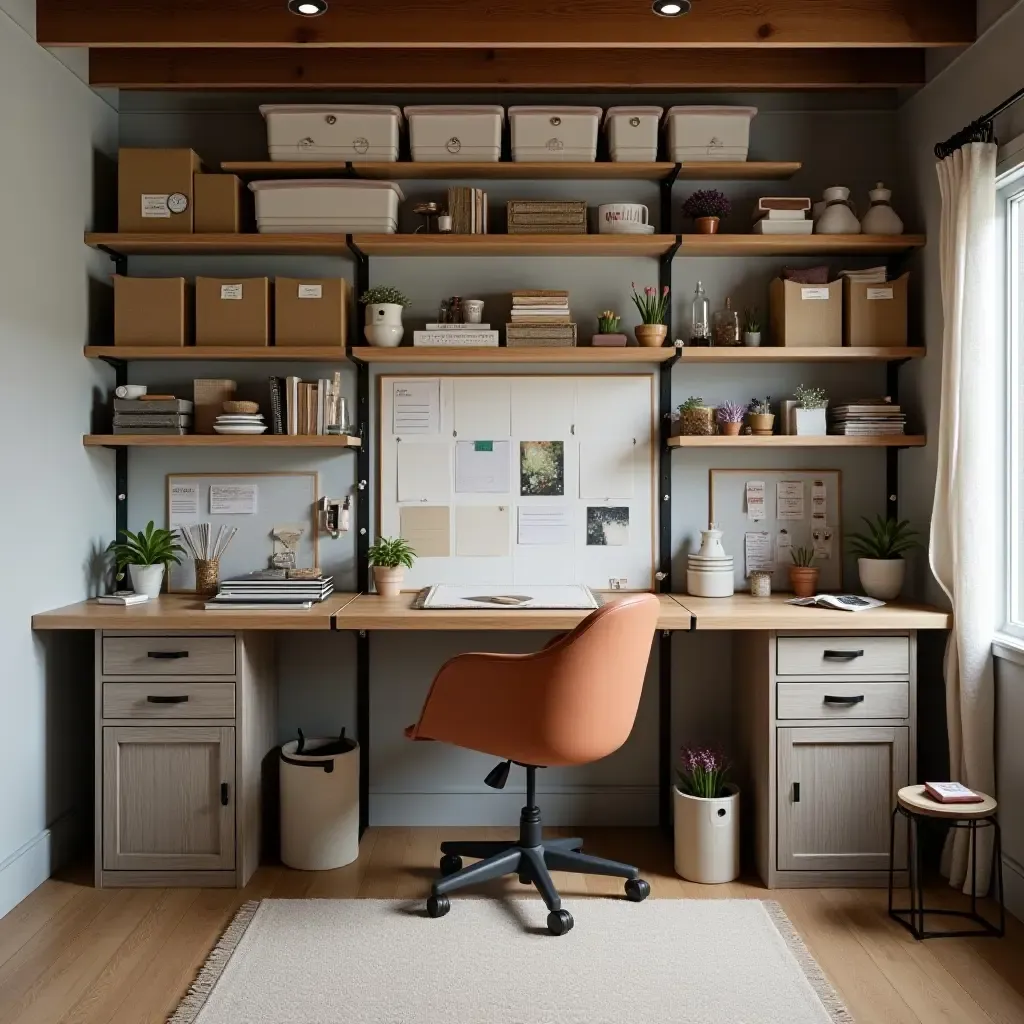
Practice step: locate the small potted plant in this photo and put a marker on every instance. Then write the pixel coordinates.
(810, 411)
(761, 417)
(652, 307)
(608, 330)
(705, 208)
(696, 418)
(880, 551)
(146, 555)
(390, 557)
(707, 818)
(730, 417)
(803, 573)
(752, 328)
(384, 305)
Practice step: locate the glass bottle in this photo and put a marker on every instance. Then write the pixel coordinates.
(726, 325)
(700, 318)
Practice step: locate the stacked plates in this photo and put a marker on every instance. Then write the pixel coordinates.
(239, 423)
(625, 228)
(710, 576)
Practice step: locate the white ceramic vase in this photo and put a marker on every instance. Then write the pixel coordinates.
(707, 836)
(837, 218)
(751, 338)
(388, 582)
(384, 324)
(711, 544)
(881, 218)
(147, 579)
(810, 422)
(882, 578)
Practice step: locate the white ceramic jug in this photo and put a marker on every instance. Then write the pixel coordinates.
(838, 218)
(711, 543)
(881, 218)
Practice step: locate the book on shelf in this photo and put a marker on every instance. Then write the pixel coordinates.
(782, 205)
(782, 227)
(157, 419)
(277, 423)
(458, 327)
(169, 431)
(281, 606)
(540, 298)
(164, 405)
(125, 598)
(468, 210)
(454, 339)
(300, 407)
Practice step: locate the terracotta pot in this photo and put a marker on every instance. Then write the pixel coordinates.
(651, 335)
(804, 580)
(730, 429)
(707, 225)
(388, 582)
(761, 423)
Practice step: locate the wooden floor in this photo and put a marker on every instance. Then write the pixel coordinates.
(73, 953)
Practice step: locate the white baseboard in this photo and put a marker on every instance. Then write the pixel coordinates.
(582, 805)
(1013, 887)
(33, 863)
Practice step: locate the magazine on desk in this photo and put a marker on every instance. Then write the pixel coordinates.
(838, 602)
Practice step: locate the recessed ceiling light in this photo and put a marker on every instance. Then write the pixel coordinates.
(671, 8)
(307, 8)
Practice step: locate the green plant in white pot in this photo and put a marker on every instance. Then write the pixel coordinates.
(707, 818)
(880, 550)
(384, 304)
(390, 557)
(146, 555)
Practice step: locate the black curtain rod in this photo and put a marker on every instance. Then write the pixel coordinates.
(980, 130)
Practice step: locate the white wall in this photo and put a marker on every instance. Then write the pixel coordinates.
(57, 503)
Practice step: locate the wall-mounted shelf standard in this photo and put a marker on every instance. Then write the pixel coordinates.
(779, 354)
(580, 355)
(220, 353)
(341, 441)
(798, 441)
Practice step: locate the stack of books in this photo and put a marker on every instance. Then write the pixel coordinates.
(152, 416)
(272, 590)
(467, 208)
(540, 318)
(782, 215)
(456, 336)
(547, 217)
(868, 417)
(873, 275)
(297, 407)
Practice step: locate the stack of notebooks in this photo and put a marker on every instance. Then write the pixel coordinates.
(868, 417)
(547, 217)
(540, 318)
(467, 208)
(271, 590)
(456, 336)
(782, 215)
(873, 275)
(152, 416)
(297, 407)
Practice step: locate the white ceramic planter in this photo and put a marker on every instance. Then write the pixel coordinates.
(147, 579)
(388, 582)
(810, 422)
(384, 324)
(882, 578)
(707, 836)
(751, 338)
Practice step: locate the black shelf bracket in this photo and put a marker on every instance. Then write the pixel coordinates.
(116, 362)
(892, 455)
(362, 266)
(120, 260)
(665, 187)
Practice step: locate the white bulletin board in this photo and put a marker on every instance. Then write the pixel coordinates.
(790, 509)
(520, 479)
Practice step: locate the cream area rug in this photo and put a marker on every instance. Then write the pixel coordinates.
(493, 962)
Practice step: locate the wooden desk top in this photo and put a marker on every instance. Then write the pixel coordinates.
(745, 612)
(369, 611)
(186, 611)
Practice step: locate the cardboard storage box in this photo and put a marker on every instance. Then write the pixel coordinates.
(876, 314)
(233, 311)
(151, 311)
(218, 203)
(155, 193)
(806, 315)
(311, 311)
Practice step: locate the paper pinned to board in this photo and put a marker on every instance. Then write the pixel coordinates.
(819, 503)
(821, 538)
(416, 407)
(789, 500)
(427, 529)
(483, 467)
(424, 472)
(757, 552)
(544, 525)
(606, 469)
(755, 500)
(233, 499)
(183, 500)
(482, 531)
(483, 408)
(784, 548)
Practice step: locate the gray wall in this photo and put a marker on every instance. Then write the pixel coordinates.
(57, 508)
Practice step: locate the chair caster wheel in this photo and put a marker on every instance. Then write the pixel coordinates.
(438, 906)
(559, 922)
(450, 863)
(637, 890)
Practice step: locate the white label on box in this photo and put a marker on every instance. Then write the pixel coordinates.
(879, 293)
(155, 206)
(230, 291)
(311, 291)
(815, 293)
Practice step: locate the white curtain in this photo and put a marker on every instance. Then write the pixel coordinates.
(966, 529)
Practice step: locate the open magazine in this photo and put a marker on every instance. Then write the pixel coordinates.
(840, 602)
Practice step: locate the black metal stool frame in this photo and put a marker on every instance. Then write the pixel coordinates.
(906, 915)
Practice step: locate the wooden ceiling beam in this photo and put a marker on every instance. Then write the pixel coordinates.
(507, 24)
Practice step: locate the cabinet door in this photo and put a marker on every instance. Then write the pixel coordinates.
(836, 790)
(168, 798)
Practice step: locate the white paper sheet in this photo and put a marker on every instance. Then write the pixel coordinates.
(424, 472)
(427, 529)
(543, 408)
(416, 407)
(611, 407)
(544, 524)
(821, 538)
(184, 500)
(233, 499)
(483, 467)
(819, 503)
(789, 499)
(606, 469)
(482, 531)
(784, 549)
(483, 408)
(757, 551)
(755, 500)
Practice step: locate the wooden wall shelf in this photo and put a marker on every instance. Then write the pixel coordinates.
(341, 441)
(797, 245)
(568, 356)
(220, 245)
(515, 245)
(799, 441)
(220, 353)
(780, 354)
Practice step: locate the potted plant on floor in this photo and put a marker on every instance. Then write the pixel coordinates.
(803, 573)
(810, 411)
(652, 306)
(730, 417)
(696, 418)
(880, 551)
(390, 557)
(705, 208)
(761, 417)
(707, 818)
(384, 305)
(752, 328)
(146, 555)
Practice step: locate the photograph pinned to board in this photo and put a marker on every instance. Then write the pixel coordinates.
(426, 529)
(416, 406)
(483, 467)
(542, 468)
(608, 526)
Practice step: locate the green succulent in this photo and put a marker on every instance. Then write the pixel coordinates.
(803, 558)
(884, 538)
(390, 553)
(147, 547)
(380, 294)
(693, 402)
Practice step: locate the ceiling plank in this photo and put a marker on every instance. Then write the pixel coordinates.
(506, 24)
(515, 69)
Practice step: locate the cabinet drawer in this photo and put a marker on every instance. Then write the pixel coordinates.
(843, 655)
(843, 700)
(169, 700)
(169, 655)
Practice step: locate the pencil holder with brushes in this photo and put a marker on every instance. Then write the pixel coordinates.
(207, 575)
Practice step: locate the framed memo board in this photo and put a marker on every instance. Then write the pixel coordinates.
(256, 503)
(790, 514)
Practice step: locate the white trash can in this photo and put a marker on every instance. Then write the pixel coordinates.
(319, 803)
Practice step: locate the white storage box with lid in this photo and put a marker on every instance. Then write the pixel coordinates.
(326, 205)
(455, 133)
(633, 133)
(709, 133)
(554, 133)
(324, 131)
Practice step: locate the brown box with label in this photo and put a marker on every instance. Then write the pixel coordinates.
(151, 311)
(876, 314)
(233, 311)
(218, 203)
(806, 315)
(311, 311)
(155, 192)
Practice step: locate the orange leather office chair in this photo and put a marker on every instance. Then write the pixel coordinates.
(571, 703)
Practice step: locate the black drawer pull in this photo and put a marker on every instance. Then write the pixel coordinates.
(844, 701)
(796, 792)
(842, 655)
(224, 794)
(181, 699)
(166, 655)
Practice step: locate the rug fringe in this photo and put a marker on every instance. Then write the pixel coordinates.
(199, 991)
(823, 988)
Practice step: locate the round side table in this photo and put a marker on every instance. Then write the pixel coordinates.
(913, 803)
